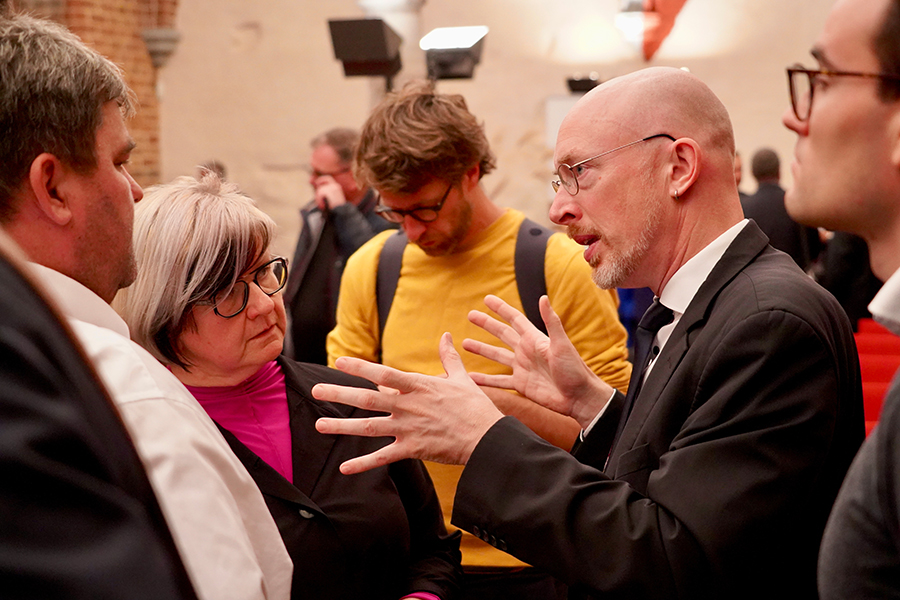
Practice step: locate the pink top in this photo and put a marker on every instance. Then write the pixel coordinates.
(256, 412)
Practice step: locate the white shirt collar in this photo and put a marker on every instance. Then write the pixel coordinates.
(78, 302)
(681, 289)
(885, 306)
(683, 286)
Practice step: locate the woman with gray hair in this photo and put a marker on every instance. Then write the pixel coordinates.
(207, 303)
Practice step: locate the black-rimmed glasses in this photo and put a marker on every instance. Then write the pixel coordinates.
(567, 178)
(270, 278)
(425, 214)
(802, 85)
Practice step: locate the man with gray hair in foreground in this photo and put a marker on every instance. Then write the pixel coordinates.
(713, 478)
(67, 199)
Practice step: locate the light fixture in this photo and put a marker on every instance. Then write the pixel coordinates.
(366, 47)
(453, 52)
(633, 21)
(579, 84)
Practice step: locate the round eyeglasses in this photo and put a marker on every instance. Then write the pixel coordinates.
(426, 214)
(567, 175)
(270, 278)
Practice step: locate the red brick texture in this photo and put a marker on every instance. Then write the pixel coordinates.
(113, 28)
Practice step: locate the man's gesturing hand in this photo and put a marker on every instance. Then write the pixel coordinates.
(546, 370)
(432, 418)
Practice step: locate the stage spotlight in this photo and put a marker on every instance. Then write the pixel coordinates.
(453, 52)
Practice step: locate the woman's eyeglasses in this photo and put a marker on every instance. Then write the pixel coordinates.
(270, 278)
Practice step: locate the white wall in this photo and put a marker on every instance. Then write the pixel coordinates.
(252, 82)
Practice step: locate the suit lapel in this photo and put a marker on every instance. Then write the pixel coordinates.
(313, 224)
(268, 480)
(748, 244)
(309, 449)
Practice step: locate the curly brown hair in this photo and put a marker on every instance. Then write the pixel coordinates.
(416, 135)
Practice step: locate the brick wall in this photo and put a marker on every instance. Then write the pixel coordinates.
(52, 9)
(113, 28)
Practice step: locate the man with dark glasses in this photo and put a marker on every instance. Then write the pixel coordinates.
(425, 154)
(846, 114)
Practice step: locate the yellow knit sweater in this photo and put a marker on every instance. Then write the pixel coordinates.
(435, 294)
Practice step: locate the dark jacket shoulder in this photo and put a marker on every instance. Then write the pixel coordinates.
(301, 377)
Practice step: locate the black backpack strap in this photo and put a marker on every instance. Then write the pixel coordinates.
(531, 246)
(389, 262)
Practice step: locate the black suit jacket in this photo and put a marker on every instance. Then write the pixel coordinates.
(375, 535)
(846, 273)
(78, 518)
(327, 239)
(766, 207)
(728, 464)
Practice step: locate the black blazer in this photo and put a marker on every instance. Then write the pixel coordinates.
(766, 207)
(727, 467)
(326, 241)
(375, 535)
(78, 518)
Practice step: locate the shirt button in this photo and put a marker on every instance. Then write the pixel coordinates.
(306, 514)
(476, 531)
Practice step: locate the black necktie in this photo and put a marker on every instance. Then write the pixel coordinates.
(656, 317)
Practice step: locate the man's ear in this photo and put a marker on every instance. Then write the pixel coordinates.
(472, 176)
(46, 178)
(684, 167)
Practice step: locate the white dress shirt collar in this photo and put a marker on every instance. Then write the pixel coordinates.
(885, 306)
(78, 302)
(684, 284)
(680, 291)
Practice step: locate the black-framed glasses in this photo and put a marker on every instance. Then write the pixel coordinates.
(802, 85)
(567, 176)
(270, 278)
(425, 214)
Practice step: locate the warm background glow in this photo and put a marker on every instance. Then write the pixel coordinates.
(252, 82)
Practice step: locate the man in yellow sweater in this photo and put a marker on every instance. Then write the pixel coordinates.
(425, 154)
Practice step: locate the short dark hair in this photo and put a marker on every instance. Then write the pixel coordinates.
(887, 48)
(765, 164)
(52, 91)
(416, 135)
